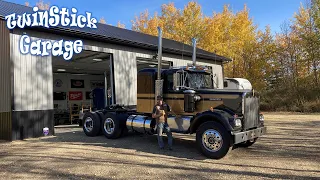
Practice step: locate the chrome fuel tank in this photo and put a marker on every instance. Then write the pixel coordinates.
(179, 123)
(141, 124)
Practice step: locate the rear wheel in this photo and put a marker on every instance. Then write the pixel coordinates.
(111, 127)
(125, 131)
(213, 140)
(80, 122)
(91, 124)
(101, 115)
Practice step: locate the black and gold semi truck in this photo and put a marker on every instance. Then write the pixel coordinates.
(220, 118)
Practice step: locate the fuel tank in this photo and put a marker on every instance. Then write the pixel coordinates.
(179, 124)
(147, 125)
(141, 124)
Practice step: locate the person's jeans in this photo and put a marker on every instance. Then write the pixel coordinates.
(164, 127)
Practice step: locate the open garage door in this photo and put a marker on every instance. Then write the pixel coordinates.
(80, 85)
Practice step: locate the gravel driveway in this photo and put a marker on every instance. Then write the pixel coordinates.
(290, 150)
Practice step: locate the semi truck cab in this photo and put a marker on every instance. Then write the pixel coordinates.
(220, 118)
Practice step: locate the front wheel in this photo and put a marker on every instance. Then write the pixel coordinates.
(213, 140)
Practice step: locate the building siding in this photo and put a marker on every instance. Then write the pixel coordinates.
(5, 83)
(29, 124)
(33, 93)
(124, 62)
(125, 71)
(33, 86)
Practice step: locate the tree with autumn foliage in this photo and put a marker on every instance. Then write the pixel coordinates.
(229, 34)
(283, 67)
(102, 20)
(40, 4)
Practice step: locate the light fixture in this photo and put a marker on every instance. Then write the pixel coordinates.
(98, 60)
(61, 70)
(140, 61)
(151, 65)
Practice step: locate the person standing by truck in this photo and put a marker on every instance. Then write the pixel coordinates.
(160, 113)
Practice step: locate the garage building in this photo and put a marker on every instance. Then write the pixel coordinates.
(34, 88)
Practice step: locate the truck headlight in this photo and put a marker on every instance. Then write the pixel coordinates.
(237, 123)
(261, 117)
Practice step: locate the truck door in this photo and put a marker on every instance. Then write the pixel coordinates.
(174, 99)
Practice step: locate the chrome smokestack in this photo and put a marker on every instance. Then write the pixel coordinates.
(159, 81)
(194, 53)
(159, 52)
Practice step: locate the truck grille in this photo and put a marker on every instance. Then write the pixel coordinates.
(251, 112)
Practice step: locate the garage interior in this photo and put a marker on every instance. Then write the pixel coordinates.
(79, 85)
(74, 82)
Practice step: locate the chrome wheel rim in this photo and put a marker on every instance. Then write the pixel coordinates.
(88, 124)
(212, 140)
(108, 126)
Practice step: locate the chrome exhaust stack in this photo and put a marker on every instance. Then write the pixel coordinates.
(159, 81)
(159, 53)
(194, 52)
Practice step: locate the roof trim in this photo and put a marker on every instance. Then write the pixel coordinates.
(122, 41)
(100, 38)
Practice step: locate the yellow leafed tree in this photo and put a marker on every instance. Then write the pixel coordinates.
(226, 33)
(102, 20)
(40, 4)
(120, 25)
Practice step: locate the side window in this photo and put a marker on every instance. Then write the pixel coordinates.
(225, 84)
(169, 83)
(145, 83)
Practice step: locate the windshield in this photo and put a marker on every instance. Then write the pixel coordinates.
(199, 81)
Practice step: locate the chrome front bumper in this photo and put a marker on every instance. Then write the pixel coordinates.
(247, 135)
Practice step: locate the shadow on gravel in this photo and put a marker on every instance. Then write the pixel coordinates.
(192, 171)
(287, 141)
(142, 143)
(290, 139)
(46, 171)
(273, 146)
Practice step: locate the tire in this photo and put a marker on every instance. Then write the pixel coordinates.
(247, 143)
(111, 127)
(102, 116)
(213, 140)
(124, 132)
(80, 122)
(94, 128)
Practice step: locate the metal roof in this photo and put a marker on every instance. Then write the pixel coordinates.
(112, 34)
